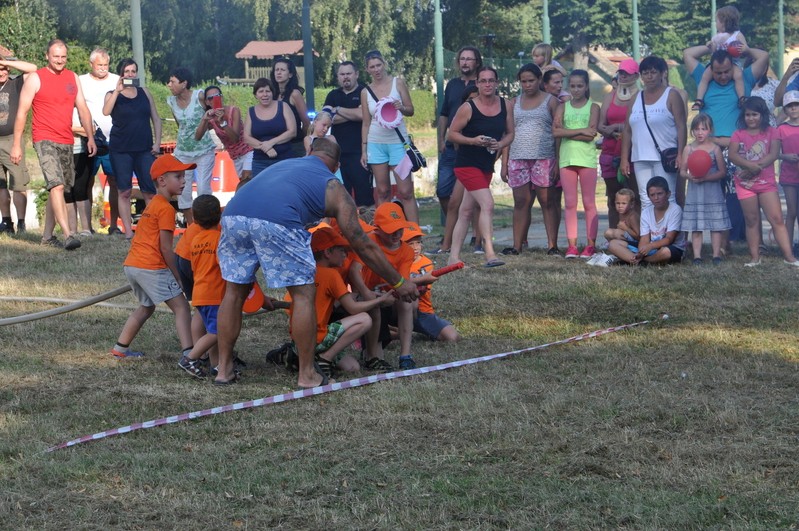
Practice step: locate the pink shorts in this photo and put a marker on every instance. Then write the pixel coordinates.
(754, 187)
(473, 178)
(533, 171)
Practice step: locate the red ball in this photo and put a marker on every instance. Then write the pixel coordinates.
(699, 163)
(734, 49)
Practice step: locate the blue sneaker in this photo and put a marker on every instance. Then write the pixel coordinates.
(128, 354)
(406, 363)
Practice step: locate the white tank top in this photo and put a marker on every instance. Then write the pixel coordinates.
(379, 134)
(662, 123)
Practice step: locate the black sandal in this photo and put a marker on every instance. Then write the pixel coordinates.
(325, 366)
(699, 103)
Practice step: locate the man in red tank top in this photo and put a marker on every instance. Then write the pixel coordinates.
(53, 91)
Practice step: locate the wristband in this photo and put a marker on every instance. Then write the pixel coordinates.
(398, 284)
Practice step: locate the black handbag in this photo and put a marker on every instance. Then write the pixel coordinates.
(668, 157)
(100, 141)
(417, 159)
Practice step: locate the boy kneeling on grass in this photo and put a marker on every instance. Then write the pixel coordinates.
(330, 251)
(389, 223)
(209, 288)
(661, 240)
(150, 265)
(425, 320)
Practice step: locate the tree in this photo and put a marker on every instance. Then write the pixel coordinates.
(27, 26)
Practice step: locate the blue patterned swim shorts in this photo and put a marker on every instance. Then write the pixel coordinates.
(249, 243)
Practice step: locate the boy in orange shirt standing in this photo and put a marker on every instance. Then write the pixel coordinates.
(330, 251)
(150, 265)
(209, 288)
(389, 223)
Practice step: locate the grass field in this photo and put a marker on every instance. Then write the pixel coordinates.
(691, 422)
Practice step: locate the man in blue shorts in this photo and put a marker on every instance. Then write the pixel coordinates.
(264, 226)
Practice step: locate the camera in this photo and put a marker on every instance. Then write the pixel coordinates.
(130, 82)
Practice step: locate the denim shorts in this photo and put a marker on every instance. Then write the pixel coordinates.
(385, 153)
(249, 243)
(429, 324)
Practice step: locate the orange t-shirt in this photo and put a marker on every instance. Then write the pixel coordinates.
(145, 248)
(329, 288)
(422, 266)
(209, 287)
(183, 248)
(401, 258)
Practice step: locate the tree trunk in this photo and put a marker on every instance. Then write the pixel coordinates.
(580, 48)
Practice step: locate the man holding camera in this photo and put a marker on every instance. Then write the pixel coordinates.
(96, 84)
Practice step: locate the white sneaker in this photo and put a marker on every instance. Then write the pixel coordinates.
(752, 264)
(607, 260)
(794, 263)
(594, 260)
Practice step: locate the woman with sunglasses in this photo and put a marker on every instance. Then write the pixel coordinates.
(381, 147)
(482, 128)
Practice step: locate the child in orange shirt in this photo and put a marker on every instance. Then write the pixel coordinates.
(209, 288)
(330, 252)
(183, 259)
(150, 265)
(426, 321)
(389, 223)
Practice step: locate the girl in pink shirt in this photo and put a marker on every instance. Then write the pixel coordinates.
(753, 149)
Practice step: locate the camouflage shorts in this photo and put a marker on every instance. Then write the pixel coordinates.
(334, 332)
(57, 164)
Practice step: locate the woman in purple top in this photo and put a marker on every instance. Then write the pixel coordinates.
(269, 127)
(131, 146)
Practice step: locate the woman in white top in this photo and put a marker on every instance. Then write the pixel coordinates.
(188, 109)
(665, 114)
(381, 147)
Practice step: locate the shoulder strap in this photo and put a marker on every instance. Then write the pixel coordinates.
(643, 105)
(372, 92)
(402, 138)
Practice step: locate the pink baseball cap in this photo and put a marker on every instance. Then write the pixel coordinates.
(629, 66)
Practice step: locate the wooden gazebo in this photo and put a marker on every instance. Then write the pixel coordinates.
(267, 50)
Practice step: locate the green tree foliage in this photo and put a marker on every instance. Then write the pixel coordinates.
(26, 26)
(204, 35)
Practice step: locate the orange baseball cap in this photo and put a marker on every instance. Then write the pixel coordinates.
(390, 218)
(167, 163)
(364, 225)
(323, 236)
(412, 231)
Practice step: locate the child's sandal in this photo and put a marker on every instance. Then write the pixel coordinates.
(325, 366)
(698, 104)
(741, 101)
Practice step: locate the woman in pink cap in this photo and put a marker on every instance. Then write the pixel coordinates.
(612, 116)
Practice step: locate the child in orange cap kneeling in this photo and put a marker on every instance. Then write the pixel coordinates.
(330, 251)
(425, 321)
(150, 265)
(389, 223)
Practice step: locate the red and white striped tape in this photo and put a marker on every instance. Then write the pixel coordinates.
(338, 386)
